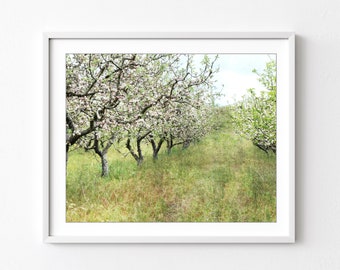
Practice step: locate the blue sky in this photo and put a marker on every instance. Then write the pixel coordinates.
(235, 75)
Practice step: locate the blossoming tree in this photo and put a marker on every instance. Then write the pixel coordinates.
(137, 98)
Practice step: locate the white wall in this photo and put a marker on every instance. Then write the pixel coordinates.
(317, 130)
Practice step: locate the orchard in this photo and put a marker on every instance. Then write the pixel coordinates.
(152, 126)
(139, 98)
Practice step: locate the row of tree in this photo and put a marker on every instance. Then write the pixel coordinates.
(137, 98)
(156, 99)
(254, 117)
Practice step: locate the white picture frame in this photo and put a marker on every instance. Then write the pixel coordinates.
(56, 230)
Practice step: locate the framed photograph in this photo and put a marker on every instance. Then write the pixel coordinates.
(169, 137)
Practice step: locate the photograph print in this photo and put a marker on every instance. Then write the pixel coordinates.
(171, 137)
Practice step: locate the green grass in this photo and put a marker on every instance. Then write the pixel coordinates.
(222, 178)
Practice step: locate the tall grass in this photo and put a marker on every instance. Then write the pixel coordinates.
(222, 178)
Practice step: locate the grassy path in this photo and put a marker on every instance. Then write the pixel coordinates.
(223, 178)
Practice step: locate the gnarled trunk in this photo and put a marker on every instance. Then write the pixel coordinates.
(102, 153)
(156, 147)
(138, 157)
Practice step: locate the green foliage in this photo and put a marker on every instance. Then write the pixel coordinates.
(255, 116)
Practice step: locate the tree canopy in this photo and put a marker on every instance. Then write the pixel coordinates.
(254, 117)
(153, 98)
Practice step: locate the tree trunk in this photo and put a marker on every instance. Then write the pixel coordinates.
(103, 154)
(155, 155)
(169, 145)
(156, 148)
(186, 144)
(138, 158)
(140, 161)
(263, 148)
(140, 154)
(105, 165)
(67, 148)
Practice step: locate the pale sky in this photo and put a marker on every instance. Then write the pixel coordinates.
(236, 75)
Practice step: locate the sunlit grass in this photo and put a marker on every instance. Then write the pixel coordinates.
(222, 178)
